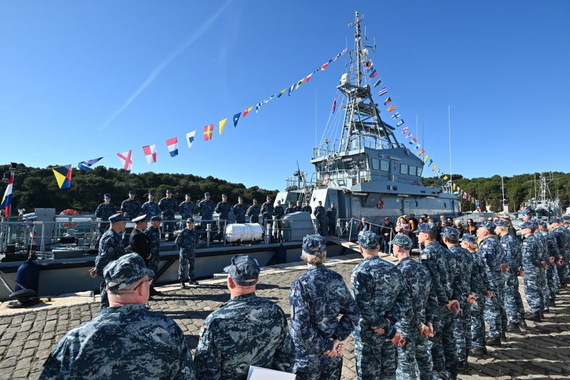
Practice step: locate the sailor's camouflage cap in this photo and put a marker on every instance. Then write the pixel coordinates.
(501, 223)
(403, 241)
(117, 218)
(426, 227)
(314, 244)
(532, 224)
(244, 270)
(368, 240)
(488, 225)
(469, 238)
(451, 233)
(125, 271)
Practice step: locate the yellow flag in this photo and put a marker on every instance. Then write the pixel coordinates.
(221, 125)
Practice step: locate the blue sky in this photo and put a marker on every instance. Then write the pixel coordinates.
(79, 80)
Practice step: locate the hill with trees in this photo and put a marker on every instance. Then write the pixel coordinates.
(37, 188)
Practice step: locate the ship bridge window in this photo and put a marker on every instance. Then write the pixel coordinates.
(419, 171)
(413, 170)
(385, 165)
(403, 169)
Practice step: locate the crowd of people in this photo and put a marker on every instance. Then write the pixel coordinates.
(419, 319)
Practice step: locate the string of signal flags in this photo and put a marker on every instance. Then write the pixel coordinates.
(408, 135)
(63, 174)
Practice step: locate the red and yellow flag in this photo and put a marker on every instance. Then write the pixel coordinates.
(208, 131)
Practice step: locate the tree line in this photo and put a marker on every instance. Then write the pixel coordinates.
(37, 188)
(517, 189)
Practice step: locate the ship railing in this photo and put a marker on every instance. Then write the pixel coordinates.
(355, 144)
(344, 177)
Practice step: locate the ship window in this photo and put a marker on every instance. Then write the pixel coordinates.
(403, 169)
(375, 164)
(419, 171)
(385, 165)
(412, 170)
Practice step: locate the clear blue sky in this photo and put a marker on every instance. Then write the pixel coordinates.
(83, 79)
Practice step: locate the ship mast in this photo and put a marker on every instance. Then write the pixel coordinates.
(362, 126)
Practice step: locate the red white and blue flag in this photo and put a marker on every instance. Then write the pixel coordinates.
(373, 73)
(150, 153)
(400, 122)
(172, 145)
(382, 91)
(87, 165)
(7, 199)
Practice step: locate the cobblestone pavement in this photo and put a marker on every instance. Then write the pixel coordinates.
(28, 336)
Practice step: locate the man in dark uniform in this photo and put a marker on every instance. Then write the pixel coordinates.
(103, 212)
(206, 207)
(253, 212)
(267, 212)
(150, 208)
(290, 209)
(131, 207)
(307, 207)
(278, 213)
(239, 210)
(153, 235)
(110, 248)
(331, 219)
(320, 215)
(223, 209)
(186, 209)
(139, 242)
(298, 206)
(168, 206)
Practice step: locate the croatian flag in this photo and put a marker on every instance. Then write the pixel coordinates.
(126, 159)
(150, 153)
(190, 138)
(7, 199)
(172, 145)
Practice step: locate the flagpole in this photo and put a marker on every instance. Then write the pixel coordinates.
(449, 144)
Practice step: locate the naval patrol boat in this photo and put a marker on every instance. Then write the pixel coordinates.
(366, 172)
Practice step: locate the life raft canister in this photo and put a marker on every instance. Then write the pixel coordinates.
(380, 204)
(69, 212)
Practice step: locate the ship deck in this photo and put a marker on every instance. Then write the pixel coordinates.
(27, 336)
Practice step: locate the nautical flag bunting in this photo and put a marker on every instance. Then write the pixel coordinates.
(172, 145)
(190, 138)
(126, 159)
(63, 176)
(86, 165)
(387, 101)
(208, 131)
(391, 108)
(7, 198)
(221, 125)
(150, 153)
(236, 118)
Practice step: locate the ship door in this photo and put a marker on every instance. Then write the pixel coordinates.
(343, 206)
(409, 206)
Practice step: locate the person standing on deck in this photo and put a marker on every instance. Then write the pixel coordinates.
(320, 219)
(253, 212)
(186, 208)
(153, 235)
(168, 207)
(103, 212)
(131, 207)
(186, 241)
(239, 210)
(150, 208)
(206, 207)
(331, 219)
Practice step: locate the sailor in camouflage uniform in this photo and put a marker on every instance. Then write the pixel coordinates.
(186, 209)
(103, 212)
(150, 208)
(475, 337)
(414, 357)
(318, 298)
(246, 331)
(437, 260)
(186, 241)
(206, 207)
(239, 210)
(168, 207)
(463, 284)
(533, 264)
(223, 209)
(513, 300)
(278, 212)
(553, 254)
(153, 235)
(253, 212)
(266, 213)
(543, 248)
(125, 341)
(495, 264)
(383, 299)
(561, 241)
(131, 207)
(110, 249)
